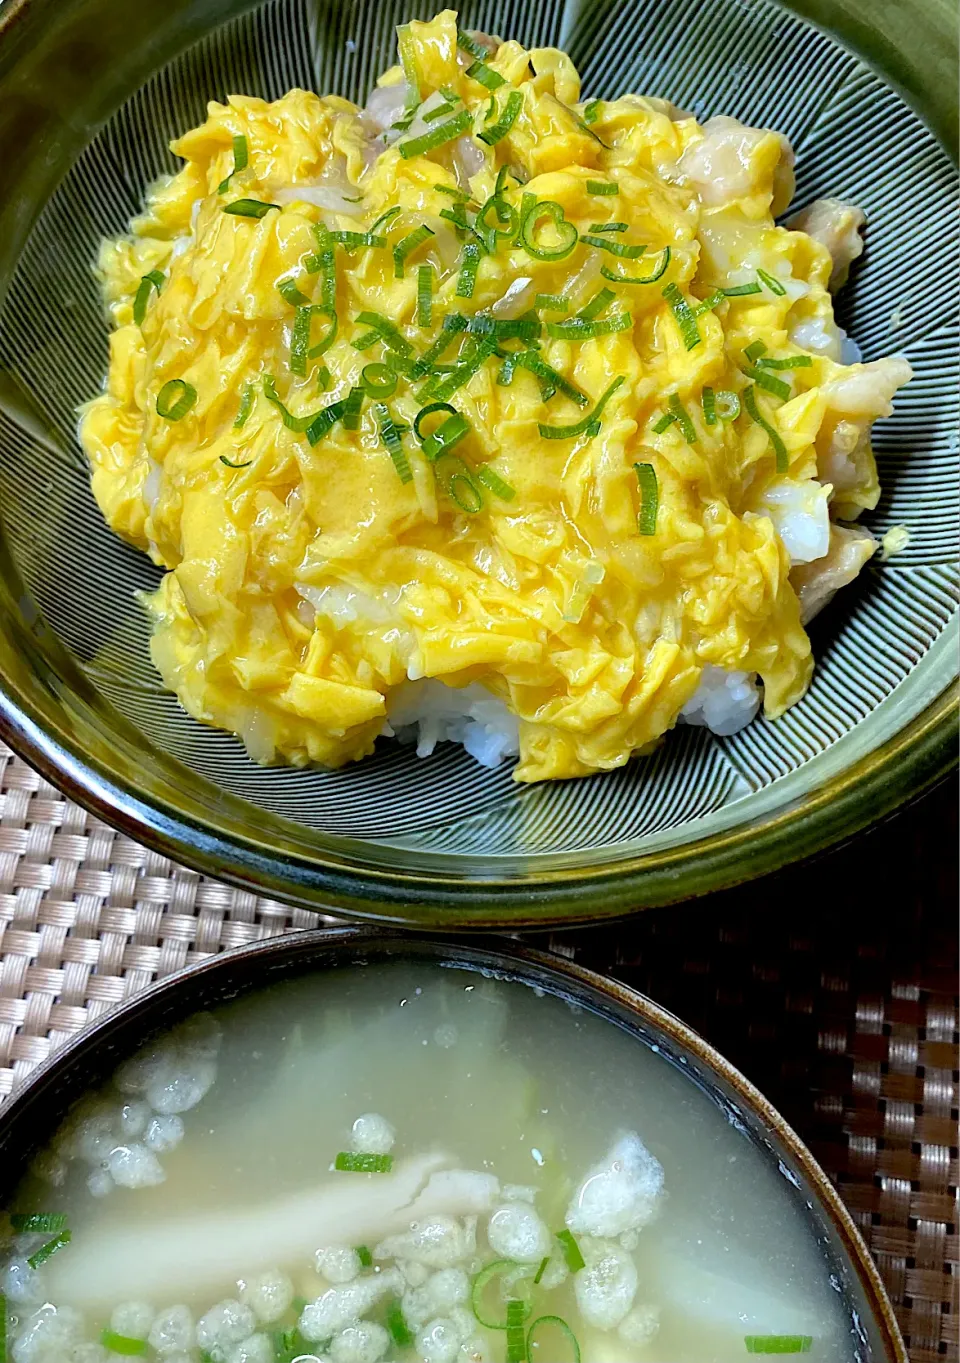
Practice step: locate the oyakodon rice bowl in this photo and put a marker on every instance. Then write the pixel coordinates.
(647, 481)
(386, 1164)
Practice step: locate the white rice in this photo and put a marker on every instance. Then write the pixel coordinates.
(800, 513)
(427, 712)
(724, 702)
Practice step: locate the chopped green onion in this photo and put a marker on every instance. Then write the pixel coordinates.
(437, 136)
(356, 241)
(507, 369)
(391, 438)
(467, 278)
(384, 218)
(658, 272)
(598, 303)
(689, 331)
(551, 302)
(323, 378)
(585, 329)
(683, 419)
(427, 411)
(665, 422)
(153, 280)
(240, 157)
(352, 406)
(498, 1269)
(293, 423)
(707, 304)
(772, 385)
(470, 44)
(123, 1344)
(451, 100)
(453, 192)
(741, 290)
(408, 244)
(175, 399)
(709, 402)
(291, 294)
(791, 362)
(588, 425)
(387, 333)
(452, 326)
(516, 1334)
(526, 328)
(378, 380)
(396, 1323)
(557, 1323)
(647, 516)
(485, 75)
(326, 341)
(541, 1270)
(30, 1222)
(50, 1248)
(231, 465)
(779, 448)
(495, 132)
(497, 485)
(442, 440)
(778, 1344)
(424, 295)
(300, 340)
(349, 1161)
(602, 187)
(610, 227)
(754, 350)
(364, 1255)
(772, 284)
(246, 406)
(549, 379)
(568, 1242)
(728, 406)
(624, 249)
(567, 232)
(461, 489)
(322, 422)
(411, 76)
(249, 208)
(591, 111)
(506, 216)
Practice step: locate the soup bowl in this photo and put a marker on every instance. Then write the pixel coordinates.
(31, 1118)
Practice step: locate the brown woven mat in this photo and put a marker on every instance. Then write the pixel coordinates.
(832, 986)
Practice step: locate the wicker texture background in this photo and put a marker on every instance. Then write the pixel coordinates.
(832, 986)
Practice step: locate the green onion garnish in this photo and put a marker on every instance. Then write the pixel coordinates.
(293, 423)
(584, 329)
(709, 303)
(363, 1254)
(741, 290)
(772, 284)
(326, 341)
(683, 419)
(778, 1344)
(349, 1161)
(665, 422)
(352, 406)
(249, 208)
(424, 295)
(443, 438)
(767, 381)
(551, 302)
(541, 1270)
(689, 331)
(728, 406)
(123, 1344)
(464, 371)
(516, 1334)
(453, 192)
(387, 333)
(753, 411)
(598, 303)
(409, 244)
(411, 76)
(602, 187)
(356, 241)
(153, 280)
(437, 136)
(288, 290)
(505, 225)
(300, 340)
(451, 100)
(485, 75)
(498, 1269)
(374, 1164)
(323, 378)
(609, 227)
(754, 350)
(493, 133)
(452, 326)
(526, 328)
(240, 157)
(791, 362)
(591, 111)
(461, 489)
(549, 379)
(378, 380)
(45, 1251)
(470, 44)
(29, 1222)
(230, 465)
(567, 232)
(566, 1239)
(588, 425)
(246, 406)
(467, 278)
(709, 403)
(623, 249)
(507, 369)
(396, 1324)
(175, 399)
(384, 218)
(497, 485)
(556, 1323)
(658, 272)
(321, 423)
(646, 525)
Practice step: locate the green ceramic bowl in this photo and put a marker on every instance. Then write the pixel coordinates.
(90, 93)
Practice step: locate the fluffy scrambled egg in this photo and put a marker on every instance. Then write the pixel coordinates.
(587, 578)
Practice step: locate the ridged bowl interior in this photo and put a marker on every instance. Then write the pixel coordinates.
(854, 137)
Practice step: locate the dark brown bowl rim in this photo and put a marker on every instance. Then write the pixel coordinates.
(565, 978)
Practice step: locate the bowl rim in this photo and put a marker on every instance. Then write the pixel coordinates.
(507, 959)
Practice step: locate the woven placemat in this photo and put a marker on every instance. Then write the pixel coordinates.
(832, 986)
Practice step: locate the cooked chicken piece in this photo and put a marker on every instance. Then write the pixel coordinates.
(722, 165)
(815, 583)
(836, 225)
(844, 453)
